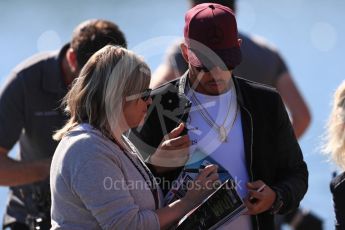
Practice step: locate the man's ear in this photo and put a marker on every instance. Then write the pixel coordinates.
(184, 51)
(71, 57)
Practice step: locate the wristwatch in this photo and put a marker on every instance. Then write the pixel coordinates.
(277, 204)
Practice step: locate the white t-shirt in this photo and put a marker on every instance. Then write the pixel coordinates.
(229, 154)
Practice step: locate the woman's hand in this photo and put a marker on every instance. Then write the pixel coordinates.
(198, 190)
(205, 183)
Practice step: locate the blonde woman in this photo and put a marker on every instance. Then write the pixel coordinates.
(335, 146)
(98, 180)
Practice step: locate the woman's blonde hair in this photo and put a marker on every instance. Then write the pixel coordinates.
(97, 95)
(335, 135)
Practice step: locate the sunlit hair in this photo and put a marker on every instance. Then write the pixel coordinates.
(98, 94)
(335, 136)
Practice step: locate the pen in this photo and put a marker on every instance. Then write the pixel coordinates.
(193, 170)
(261, 188)
(253, 199)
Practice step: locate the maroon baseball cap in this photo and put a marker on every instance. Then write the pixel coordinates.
(211, 35)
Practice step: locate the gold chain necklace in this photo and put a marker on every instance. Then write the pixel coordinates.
(220, 129)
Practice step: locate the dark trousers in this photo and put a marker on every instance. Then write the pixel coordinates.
(16, 226)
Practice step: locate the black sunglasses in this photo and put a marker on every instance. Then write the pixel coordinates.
(146, 94)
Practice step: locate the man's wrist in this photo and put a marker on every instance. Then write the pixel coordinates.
(278, 203)
(41, 168)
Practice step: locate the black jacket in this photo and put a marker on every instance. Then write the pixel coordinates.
(338, 191)
(271, 149)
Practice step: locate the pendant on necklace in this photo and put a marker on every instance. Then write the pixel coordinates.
(222, 134)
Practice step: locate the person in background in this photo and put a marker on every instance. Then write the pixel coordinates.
(241, 125)
(335, 147)
(98, 179)
(261, 63)
(29, 113)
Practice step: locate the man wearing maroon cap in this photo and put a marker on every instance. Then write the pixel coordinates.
(241, 125)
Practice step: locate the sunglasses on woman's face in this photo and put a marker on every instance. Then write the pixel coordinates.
(146, 94)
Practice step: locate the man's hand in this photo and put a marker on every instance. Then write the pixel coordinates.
(259, 201)
(173, 151)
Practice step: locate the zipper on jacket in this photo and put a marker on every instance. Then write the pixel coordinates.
(251, 155)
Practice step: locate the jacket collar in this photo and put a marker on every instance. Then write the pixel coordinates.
(239, 94)
(52, 73)
(182, 83)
